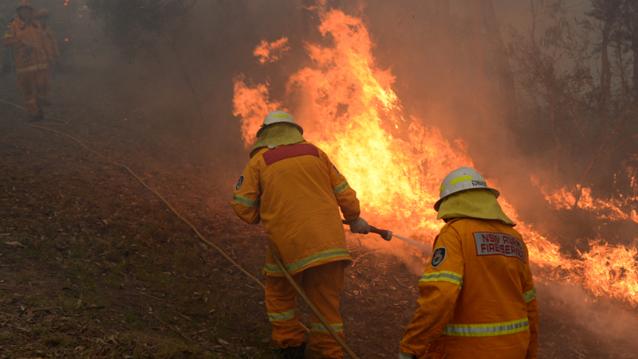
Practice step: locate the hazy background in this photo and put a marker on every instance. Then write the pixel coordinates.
(524, 84)
(539, 90)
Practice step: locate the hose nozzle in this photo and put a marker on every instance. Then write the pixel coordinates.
(384, 233)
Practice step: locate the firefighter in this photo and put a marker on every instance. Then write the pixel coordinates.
(292, 188)
(50, 44)
(6, 58)
(477, 298)
(24, 37)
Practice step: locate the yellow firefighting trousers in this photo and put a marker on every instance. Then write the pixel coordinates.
(323, 285)
(34, 86)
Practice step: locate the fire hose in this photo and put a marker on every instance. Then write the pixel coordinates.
(277, 257)
(384, 233)
(387, 235)
(199, 235)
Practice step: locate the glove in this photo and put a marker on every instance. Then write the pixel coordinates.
(360, 226)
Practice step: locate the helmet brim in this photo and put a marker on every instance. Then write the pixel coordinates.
(263, 127)
(437, 204)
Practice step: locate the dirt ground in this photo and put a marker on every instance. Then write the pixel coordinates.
(92, 265)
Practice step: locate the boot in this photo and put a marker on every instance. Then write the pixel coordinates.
(291, 352)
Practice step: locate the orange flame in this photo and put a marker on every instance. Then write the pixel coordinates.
(611, 271)
(581, 197)
(347, 106)
(268, 52)
(251, 104)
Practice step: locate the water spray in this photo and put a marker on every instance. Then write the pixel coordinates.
(387, 235)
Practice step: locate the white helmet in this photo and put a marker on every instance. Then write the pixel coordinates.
(276, 117)
(462, 179)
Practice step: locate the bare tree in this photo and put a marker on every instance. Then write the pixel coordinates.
(607, 12)
(632, 24)
(574, 90)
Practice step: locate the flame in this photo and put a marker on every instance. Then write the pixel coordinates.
(611, 209)
(347, 107)
(251, 104)
(611, 270)
(268, 52)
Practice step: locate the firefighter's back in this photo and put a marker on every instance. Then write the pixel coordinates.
(298, 206)
(296, 184)
(490, 317)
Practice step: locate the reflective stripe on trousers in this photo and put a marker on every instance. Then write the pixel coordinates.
(487, 329)
(281, 316)
(320, 328)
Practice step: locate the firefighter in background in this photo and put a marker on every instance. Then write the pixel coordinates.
(293, 189)
(6, 57)
(24, 37)
(477, 298)
(50, 44)
(51, 48)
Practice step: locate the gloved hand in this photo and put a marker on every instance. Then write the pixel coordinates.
(360, 226)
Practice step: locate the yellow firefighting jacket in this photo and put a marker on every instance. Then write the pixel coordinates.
(477, 296)
(29, 49)
(296, 192)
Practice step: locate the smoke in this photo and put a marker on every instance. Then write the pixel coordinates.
(566, 310)
(448, 60)
(451, 71)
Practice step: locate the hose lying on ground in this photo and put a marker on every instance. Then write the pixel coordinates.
(199, 235)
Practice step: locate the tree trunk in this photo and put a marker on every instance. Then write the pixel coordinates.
(605, 67)
(500, 59)
(634, 46)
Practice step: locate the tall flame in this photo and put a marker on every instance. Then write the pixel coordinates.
(347, 107)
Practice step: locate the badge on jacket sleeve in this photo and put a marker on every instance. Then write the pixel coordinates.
(240, 182)
(438, 256)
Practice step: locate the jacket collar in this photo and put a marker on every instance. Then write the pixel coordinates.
(479, 204)
(277, 135)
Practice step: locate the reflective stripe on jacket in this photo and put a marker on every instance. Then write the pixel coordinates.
(296, 193)
(477, 296)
